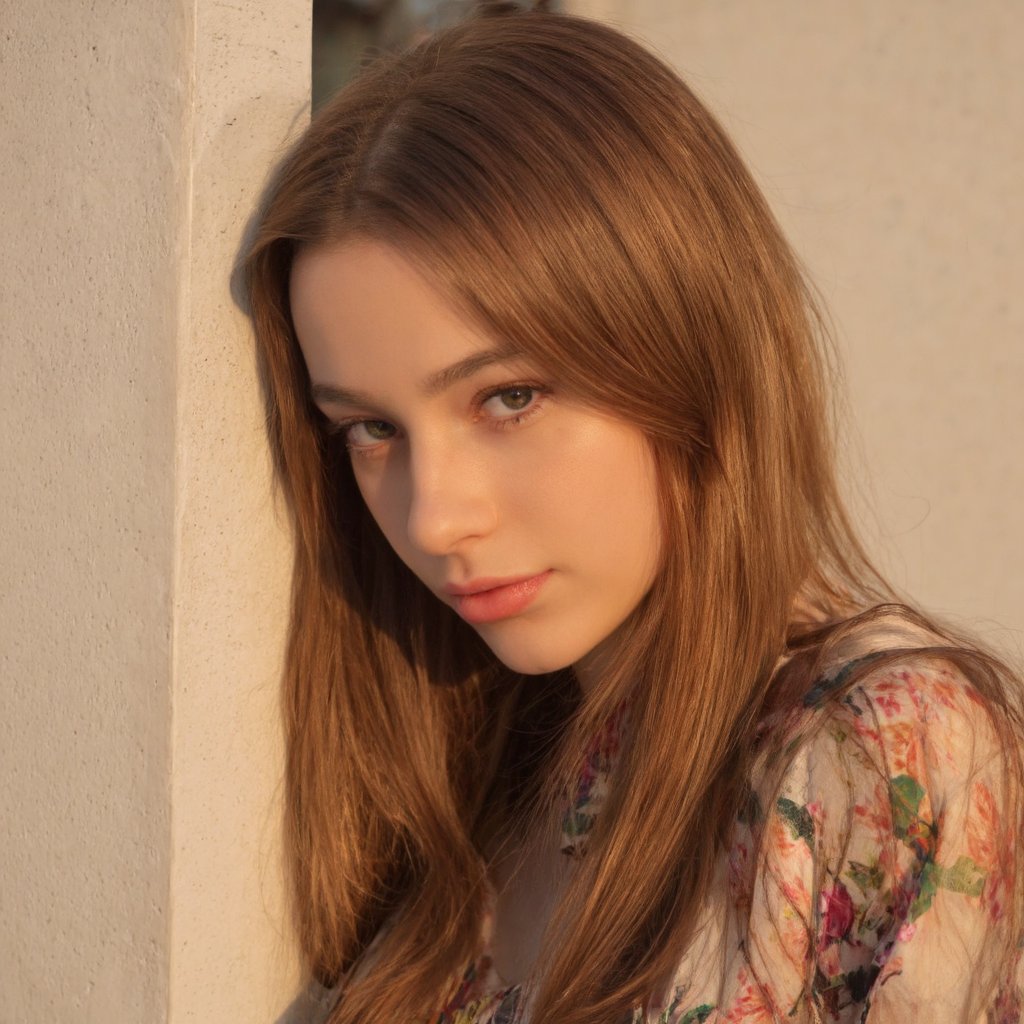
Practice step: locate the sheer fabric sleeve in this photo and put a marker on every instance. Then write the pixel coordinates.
(883, 893)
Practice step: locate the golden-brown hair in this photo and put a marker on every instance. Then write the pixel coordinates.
(570, 194)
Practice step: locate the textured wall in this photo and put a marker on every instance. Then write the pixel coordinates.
(887, 137)
(94, 171)
(229, 960)
(144, 563)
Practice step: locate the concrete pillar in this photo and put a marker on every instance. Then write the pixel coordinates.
(144, 562)
(887, 138)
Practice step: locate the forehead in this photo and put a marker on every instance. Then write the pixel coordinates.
(362, 305)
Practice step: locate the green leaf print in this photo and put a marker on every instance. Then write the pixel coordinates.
(838, 733)
(965, 877)
(931, 879)
(835, 680)
(906, 794)
(698, 1014)
(798, 818)
(869, 878)
(577, 823)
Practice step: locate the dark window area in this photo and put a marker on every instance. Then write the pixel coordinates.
(348, 33)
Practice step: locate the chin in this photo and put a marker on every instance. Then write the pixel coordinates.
(530, 660)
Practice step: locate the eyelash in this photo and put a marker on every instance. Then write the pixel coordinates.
(540, 395)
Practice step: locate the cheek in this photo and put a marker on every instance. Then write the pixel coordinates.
(383, 501)
(606, 491)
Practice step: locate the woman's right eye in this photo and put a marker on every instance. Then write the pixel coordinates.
(366, 434)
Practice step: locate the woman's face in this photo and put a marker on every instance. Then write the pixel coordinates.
(531, 514)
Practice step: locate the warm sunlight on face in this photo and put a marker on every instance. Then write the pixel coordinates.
(532, 515)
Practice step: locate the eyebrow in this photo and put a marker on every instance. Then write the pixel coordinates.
(437, 382)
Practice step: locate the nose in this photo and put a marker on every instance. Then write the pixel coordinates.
(451, 499)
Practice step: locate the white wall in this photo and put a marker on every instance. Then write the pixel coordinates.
(91, 304)
(230, 955)
(144, 564)
(888, 139)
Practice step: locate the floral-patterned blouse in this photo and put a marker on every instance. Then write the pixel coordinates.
(885, 869)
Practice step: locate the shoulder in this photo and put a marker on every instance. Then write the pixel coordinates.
(918, 714)
(887, 818)
(893, 750)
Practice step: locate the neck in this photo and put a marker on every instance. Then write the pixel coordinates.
(593, 666)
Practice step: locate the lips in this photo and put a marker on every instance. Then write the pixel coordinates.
(488, 600)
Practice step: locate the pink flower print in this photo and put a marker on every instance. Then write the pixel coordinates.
(890, 705)
(994, 900)
(866, 731)
(948, 694)
(893, 966)
(830, 961)
(973, 696)
(739, 872)
(902, 746)
(983, 827)
(836, 908)
(748, 1006)
(877, 814)
(902, 896)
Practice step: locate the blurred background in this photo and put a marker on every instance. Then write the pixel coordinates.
(347, 33)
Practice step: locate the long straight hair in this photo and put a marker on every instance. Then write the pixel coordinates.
(573, 198)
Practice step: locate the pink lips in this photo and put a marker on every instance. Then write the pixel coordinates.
(488, 600)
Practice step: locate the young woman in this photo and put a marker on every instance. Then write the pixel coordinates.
(596, 709)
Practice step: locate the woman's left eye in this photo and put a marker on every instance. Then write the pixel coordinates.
(512, 403)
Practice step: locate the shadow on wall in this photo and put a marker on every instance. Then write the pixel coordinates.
(349, 33)
(313, 1006)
